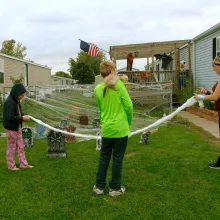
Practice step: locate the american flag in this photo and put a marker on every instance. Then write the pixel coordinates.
(89, 48)
(93, 50)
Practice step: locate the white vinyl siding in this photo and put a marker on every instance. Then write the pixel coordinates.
(205, 75)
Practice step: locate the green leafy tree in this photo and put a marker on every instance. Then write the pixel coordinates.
(84, 73)
(11, 48)
(73, 68)
(63, 74)
(85, 62)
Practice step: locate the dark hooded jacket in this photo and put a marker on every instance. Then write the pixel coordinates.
(11, 118)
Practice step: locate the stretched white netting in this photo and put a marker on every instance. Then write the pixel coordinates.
(60, 107)
(77, 105)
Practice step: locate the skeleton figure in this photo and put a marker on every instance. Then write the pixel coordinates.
(145, 137)
(96, 123)
(64, 123)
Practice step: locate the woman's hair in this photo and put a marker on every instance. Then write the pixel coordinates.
(216, 61)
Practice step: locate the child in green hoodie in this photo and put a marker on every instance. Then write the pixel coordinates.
(115, 112)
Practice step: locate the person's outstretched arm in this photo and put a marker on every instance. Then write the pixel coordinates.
(212, 97)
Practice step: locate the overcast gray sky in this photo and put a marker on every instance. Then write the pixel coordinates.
(51, 28)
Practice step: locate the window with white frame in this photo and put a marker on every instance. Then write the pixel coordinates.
(218, 46)
(1, 71)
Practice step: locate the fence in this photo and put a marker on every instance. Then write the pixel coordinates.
(39, 93)
(147, 96)
(144, 77)
(151, 95)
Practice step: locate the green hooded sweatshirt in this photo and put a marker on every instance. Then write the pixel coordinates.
(115, 110)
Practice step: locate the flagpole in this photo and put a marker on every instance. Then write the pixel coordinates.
(97, 47)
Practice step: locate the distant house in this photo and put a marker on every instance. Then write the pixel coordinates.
(33, 73)
(57, 80)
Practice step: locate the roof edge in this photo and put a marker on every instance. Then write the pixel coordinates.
(24, 61)
(207, 32)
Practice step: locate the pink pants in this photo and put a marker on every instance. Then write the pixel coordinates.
(15, 144)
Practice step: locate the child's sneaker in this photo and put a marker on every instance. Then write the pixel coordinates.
(98, 191)
(214, 166)
(113, 192)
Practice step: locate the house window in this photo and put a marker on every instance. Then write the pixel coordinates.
(216, 47)
(1, 77)
(1, 71)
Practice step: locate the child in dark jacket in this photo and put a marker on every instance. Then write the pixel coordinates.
(12, 121)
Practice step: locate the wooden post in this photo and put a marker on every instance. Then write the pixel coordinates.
(152, 62)
(189, 66)
(148, 66)
(114, 57)
(171, 68)
(189, 61)
(154, 74)
(176, 77)
(171, 63)
(178, 66)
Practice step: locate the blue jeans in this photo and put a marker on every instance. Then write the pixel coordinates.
(115, 147)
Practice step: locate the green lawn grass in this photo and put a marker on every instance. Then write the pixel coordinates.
(167, 179)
